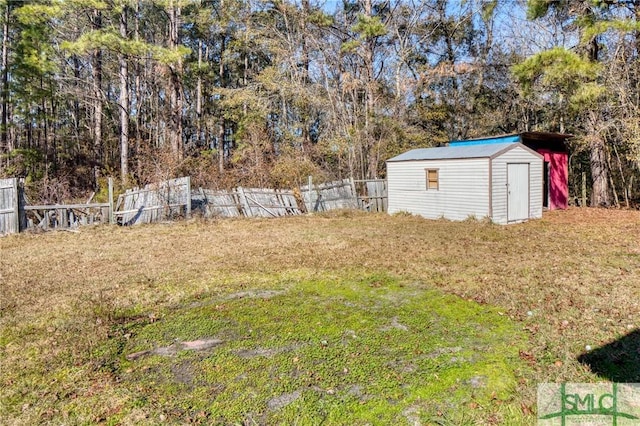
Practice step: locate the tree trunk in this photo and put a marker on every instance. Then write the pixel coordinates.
(305, 80)
(76, 106)
(44, 126)
(199, 98)
(221, 132)
(97, 103)
(124, 103)
(221, 122)
(5, 83)
(52, 129)
(600, 193)
(306, 11)
(138, 98)
(599, 173)
(175, 96)
(370, 106)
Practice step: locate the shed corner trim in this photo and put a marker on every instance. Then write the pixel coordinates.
(513, 146)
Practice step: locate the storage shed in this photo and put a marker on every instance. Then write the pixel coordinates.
(501, 181)
(553, 148)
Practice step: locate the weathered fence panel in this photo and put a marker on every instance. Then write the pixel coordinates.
(330, 196)
(372, 194)
(214, 204)
(9, 206)
(259, 202)
(173, 198)
(248, 202)
(25, 216)
(66, 216)
(155, 202)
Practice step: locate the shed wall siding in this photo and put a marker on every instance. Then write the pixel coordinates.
(463, 188)
(499, 187)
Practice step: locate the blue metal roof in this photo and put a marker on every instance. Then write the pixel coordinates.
(491, 140)
(484, 150)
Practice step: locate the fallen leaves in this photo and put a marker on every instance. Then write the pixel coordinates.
(528, 356)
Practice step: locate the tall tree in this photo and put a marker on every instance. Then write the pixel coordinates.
(4, 140)
(124, 100)
(174, 11)
(589, 94)
(96, 73)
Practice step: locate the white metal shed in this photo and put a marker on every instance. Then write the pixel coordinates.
(502, 182)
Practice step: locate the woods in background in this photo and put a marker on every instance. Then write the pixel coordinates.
(268, 92)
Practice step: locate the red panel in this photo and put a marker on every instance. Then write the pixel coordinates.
(558, 178)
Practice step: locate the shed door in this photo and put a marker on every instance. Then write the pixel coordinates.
(517, 192)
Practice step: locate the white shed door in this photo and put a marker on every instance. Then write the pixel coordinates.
(517, 192)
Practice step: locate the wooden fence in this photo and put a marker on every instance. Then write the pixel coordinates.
(329, 196)
(372, 194)
(173, 198)
(9, 206)
(213, 204)
(261, 202)
(267, 202)
(66, 216)
(247, 202)
(155, 202)
(17, 215)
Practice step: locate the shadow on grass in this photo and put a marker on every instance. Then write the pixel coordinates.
(618, 361)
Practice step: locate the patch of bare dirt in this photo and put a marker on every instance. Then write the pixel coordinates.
(195, 345)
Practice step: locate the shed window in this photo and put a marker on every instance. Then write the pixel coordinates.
(432, 178)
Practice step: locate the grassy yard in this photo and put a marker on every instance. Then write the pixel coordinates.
(346, 318)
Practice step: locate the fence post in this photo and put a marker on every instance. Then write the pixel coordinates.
(309, 185)
(22, 201)
(354, 192)
(111, 215)
(188, 197)
(16, 206)
(245, 203)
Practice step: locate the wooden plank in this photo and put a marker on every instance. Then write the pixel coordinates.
(385, 199)
(220, 203)
(63, 218)
(65, 206)
(16, 206)
(245, 204)
(125, 212)
(372, 192)
(333, 195)
(288, 202)
(22, 201)
(158, 201)
(261, 206)
(148, 198)
(188, 196)
(111, 216)
(9, 206)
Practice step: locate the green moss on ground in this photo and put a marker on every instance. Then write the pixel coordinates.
(340, 350)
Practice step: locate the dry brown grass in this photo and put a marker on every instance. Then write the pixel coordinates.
(577, 272)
